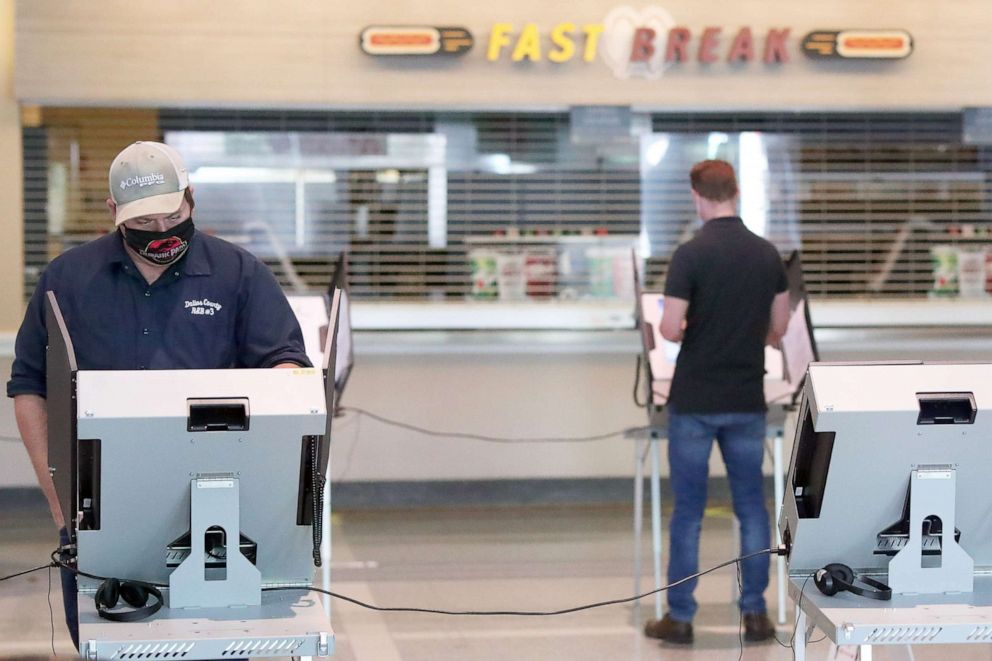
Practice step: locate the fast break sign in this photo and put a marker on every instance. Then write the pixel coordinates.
(638, 43)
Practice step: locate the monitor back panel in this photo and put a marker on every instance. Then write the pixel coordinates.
(860, 433)
(148, 457)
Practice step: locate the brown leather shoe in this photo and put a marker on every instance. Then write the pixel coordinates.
(669, 630)
(758, 628)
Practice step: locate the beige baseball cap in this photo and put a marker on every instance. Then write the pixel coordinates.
(147, 178)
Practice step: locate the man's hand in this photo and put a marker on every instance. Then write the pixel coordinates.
(285, 366)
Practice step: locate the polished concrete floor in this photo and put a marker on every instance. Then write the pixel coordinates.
(483, 559)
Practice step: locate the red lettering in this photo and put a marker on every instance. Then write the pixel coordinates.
(642, 47)
(678, 45)
(775, 46)
(742, 50)
(707, 45)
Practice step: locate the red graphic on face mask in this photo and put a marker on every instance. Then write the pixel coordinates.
(164, 249)
(163, 245)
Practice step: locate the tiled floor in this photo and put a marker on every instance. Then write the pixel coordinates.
(530, 559)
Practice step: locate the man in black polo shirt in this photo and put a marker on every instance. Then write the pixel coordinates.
(725, 298)
(155, 294)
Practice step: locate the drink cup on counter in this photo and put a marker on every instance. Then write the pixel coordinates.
(485, 277)
(944, 260)
(971, 273)
(540, 273)
(511, 282)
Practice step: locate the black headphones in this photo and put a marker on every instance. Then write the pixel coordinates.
(836, 577)
(134, 593)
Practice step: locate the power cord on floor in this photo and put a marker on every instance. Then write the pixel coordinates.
(493, 439)
(28, 571)
(60, 562)
(563, 611)
(795, 628)
(740, 613)
(51, 613)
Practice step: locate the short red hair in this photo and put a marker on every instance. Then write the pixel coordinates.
(714, 180)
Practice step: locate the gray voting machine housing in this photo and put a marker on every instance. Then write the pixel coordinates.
(890, 476)
(204, 482)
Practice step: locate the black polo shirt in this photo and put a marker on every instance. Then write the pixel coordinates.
(730, 276)
(218, 307)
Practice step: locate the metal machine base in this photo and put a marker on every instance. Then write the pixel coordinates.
(921, 619)
(287, 623)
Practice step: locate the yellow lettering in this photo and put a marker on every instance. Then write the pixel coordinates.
(593, 32)
(499, 37)
(528, 45)
(561, 37)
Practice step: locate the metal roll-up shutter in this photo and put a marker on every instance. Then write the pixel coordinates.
(498, 206)
(871, 199)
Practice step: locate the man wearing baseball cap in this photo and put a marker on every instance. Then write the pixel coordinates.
(154, 294)
(147, 181)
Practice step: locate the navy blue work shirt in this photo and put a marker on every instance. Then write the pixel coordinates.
(218, 307)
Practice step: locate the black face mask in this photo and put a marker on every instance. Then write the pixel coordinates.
(161, 248)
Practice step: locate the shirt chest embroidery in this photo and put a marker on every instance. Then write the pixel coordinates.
(202, 307)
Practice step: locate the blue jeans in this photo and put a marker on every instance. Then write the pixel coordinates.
(741, 437)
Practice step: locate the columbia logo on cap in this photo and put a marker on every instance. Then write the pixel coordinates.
(147, 180)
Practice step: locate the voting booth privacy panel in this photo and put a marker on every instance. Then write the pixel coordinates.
(313, 312)
(204, 481)
(890, 473)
